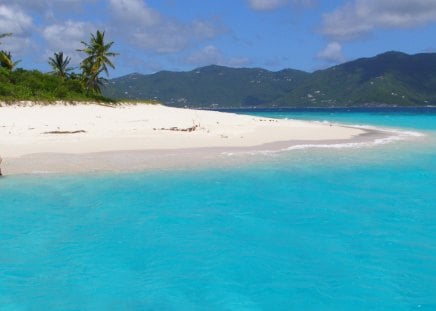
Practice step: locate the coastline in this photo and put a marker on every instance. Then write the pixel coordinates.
(89, 138)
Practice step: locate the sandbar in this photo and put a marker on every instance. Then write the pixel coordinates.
(92, 137)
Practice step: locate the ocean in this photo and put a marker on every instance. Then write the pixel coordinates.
(344, 228)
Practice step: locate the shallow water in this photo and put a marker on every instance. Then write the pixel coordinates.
(323, 229)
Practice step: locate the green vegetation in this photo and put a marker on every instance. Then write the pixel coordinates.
(96, 62)
(60, 65)
(6, 57)
(212, 86)
(33, 85)
(6, 61)
(389, 79)
(61, 83)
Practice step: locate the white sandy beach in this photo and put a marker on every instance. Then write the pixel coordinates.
(85, 129)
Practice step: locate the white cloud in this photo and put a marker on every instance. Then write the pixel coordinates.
(360, 17)
(134, 11)
(237, 62)
(207, 56)
(211, 55)
(332, 53)
(170, 36)
(146, 28)
(13, 20)
(268, 5)
(265, 5)
(66, 37)
(42, 5)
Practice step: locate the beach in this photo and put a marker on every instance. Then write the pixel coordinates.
(91, 137)
(323, 227)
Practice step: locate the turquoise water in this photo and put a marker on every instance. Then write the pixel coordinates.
(342, 229)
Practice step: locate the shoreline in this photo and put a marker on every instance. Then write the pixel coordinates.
(92, 138)
(143, 160)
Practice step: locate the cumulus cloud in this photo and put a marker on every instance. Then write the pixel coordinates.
(265, 5)
(43, 5)
(146, 28)
(360, 17)
(66, 37)
(207, 56)
(332, 53)
(211, 55)
(13, 20)
(134, 11)
(268, 5)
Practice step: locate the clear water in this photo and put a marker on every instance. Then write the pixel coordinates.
(343, 229)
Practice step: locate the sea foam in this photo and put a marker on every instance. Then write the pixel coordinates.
(395, 135)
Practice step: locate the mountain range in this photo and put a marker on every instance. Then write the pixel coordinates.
(388, 79)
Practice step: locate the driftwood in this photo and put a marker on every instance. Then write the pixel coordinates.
(65, 132)
(175, 128)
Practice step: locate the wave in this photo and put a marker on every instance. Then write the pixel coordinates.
(397, 135)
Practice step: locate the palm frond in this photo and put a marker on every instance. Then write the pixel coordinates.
(6, 61)
(60, 64)
(97, 60)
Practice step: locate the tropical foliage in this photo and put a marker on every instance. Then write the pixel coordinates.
(97, 61)
(6, 61)
(60, 64)
(22, 84)
(389, 79)
(62, 83)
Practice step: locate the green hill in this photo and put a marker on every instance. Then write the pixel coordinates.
(392, 78)
(211, 86)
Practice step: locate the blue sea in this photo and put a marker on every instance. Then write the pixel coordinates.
(309, 229)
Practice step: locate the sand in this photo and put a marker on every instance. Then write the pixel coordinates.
(86, 137)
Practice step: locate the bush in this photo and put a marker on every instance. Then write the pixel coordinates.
(34, 85)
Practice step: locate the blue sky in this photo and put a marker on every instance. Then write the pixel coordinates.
(153, 35)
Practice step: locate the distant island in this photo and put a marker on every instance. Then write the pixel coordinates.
(389, 79)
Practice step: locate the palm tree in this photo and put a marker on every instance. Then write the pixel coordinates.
(6, 61)
(97, 60)
(6, 57)
(91, 78)
(60, 64)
